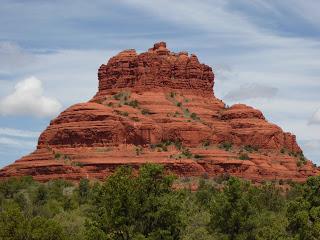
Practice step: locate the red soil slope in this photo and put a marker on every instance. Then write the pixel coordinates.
(159, 107)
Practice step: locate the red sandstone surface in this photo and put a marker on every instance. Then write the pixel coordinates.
(159, 107)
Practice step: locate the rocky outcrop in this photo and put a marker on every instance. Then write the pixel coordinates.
(159, 107)
(156, 69)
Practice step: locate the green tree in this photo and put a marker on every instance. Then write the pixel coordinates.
(231, 210)
(267, 197)
(268, 226)
(13, 185)
(196, 216)
(130, 207)
(117, 206)
(94, 232)
(43, 229)
(159, 208)
(205, 193)
(41, 195)
(304, 211)
(13, 225)
(84, 190)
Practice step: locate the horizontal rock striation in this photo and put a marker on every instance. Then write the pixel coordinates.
(159, 107)
(157, 69)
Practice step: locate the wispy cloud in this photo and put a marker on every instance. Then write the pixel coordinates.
(315, 119)
(235, 25)
(15, 143)
(313, 144)
(18, 133)
(224, 72)
(249, 91)
(312, 149)
(204, 15)
(13, 57)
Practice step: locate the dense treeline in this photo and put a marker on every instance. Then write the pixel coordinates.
(145, 206)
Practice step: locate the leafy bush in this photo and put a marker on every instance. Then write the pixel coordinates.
(206, 143)
(197, 156)
(121, 113)
(302, 158)
(172, 94)
(133, 103)
(162, 146)
(178, 144)
(138, 150)
(145, 111)
(250, 148)
(244, 156)
(226, 146)
(100, 101)
(119, 96)
(77, 164)
(176, 114)
(186, 153)
(135, 119)
(57, 155)
(194, 116)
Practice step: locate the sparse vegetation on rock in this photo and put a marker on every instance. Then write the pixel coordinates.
(226, 146)
(121, 113)
(57, 155)
(138, 150)
(250, 148)
(145, 111)
(244, 156)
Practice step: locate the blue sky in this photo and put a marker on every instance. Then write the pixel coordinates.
(264, 53)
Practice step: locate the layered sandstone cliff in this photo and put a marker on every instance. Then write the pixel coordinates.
(159, 107)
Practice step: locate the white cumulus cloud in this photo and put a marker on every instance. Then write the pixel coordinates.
(28, 99)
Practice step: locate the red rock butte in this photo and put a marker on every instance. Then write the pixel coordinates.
(159, 107)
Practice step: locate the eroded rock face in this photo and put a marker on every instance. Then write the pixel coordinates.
(156, 69)
(159, 107)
